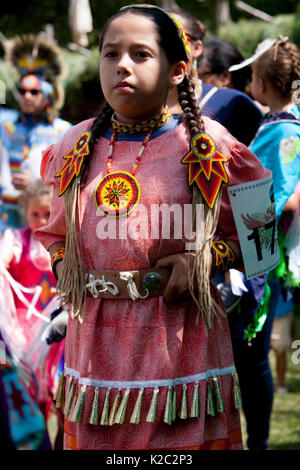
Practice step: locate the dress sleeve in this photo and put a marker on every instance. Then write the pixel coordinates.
(55, 230)
(10, 248)
(52, 162)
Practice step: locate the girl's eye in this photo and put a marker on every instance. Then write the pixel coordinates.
(110, 54)
(142, 54)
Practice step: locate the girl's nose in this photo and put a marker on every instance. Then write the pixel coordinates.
(124, 63)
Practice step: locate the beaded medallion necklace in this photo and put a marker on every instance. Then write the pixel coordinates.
(118, 192)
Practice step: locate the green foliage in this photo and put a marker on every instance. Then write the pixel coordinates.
(246, 34)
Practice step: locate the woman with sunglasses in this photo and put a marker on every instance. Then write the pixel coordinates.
(34, 126)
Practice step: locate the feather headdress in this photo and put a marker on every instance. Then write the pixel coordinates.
(35, 55)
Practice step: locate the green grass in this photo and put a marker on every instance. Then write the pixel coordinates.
(285, 419)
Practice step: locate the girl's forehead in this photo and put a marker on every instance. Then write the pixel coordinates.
(43, 199)
(131, 23)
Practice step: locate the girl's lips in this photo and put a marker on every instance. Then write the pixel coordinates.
(124, 86)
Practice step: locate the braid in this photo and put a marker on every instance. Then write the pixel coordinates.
(189, 104)
(280, 66)
(292, 50)
(72, 281)
(99, 126)
(199, 276)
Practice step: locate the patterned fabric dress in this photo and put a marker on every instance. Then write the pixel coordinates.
(140, 355)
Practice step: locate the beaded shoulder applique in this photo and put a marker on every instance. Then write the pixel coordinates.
(74, 160)
(206, 167)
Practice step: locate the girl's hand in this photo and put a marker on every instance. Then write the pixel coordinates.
(178, 284)
(21, 180)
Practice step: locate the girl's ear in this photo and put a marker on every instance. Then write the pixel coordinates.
(225, 78)
(261, 85)
(177, 73)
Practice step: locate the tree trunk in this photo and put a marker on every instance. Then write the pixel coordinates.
(222, 12)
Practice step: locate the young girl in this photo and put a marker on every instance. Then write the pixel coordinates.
(275, 70)
(277, 144)
(29, 264)
(148, 358)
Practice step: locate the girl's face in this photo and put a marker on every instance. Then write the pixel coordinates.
(38, 211)
(134, 70)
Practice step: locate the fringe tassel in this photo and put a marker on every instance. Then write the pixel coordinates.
(70, 397)
(237, 394)
(210, 409)
(59, 396)
(151, 416)
(195, 410)
(120, 416)
(94, 416)
(136, 414)
(76, 415)
(105, 410)
(168, 416)
(183, 407)
(218, 394)
(174, 405)
(113, 411)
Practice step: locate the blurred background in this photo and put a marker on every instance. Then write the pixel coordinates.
(76, 25)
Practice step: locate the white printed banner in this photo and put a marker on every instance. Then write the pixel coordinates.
(253, 208)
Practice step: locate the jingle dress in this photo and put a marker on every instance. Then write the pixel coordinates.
(144, 347)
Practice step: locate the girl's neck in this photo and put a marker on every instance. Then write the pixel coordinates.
(133, 121)
(278, 105)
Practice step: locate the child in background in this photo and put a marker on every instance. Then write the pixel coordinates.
(148, 359)
(29, 264)
(275, 70)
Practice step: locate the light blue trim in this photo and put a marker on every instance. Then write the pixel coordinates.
(149, 383)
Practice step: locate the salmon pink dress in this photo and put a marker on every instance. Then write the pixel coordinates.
(170, 380)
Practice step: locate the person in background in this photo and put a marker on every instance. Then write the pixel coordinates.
(36, 123)
(228, 106)
(275, 67)
(213, 65)
(28, 264)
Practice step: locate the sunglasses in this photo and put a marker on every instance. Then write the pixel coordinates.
(33, 92)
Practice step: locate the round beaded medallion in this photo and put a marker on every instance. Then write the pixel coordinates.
(117, 194)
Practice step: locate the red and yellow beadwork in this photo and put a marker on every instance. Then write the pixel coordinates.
(206, 167)
(74, 160)
(223, 256)
(117, 193)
